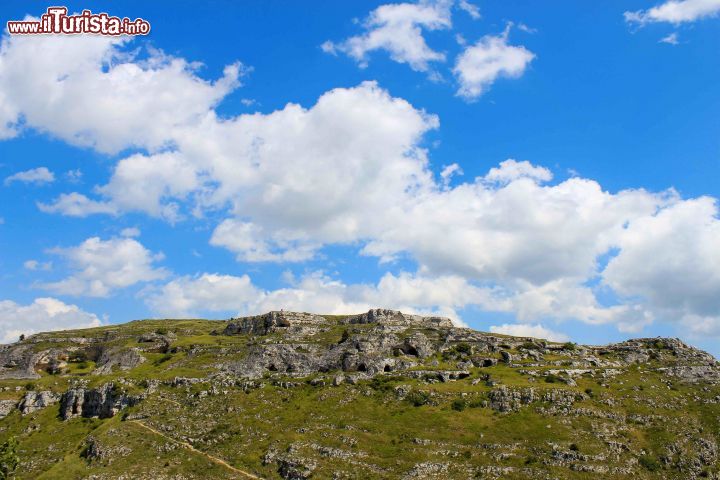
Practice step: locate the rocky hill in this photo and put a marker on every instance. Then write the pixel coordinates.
(377, 395)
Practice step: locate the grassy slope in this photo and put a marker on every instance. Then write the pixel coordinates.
(383, 434)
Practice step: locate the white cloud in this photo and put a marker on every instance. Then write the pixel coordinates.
(90, 91)
(481, 64)
(130, 232)
(352, 169)
(74, 176)
(144, 183)
(470, 8)
(317, 293)
(248, 241)
(675, 12)
(77, 205)
(398, 29)
(671, 39)
(510, 170)
(44, 314)
(36, 175)
(102, 266)
(535, 331)
(36, 265)
(670, 261)
(208, 292)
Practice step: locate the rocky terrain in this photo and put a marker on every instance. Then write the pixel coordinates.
(376, 395)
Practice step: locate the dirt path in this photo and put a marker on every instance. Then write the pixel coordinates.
(217, 460)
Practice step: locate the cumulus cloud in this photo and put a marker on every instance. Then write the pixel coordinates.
(510, 170)
(208, 292)
(36, 175)
(316, 292)
(101, 93)
(77, 205)
(352, 169)
(523, 330)
(479, 65)
(103, 266)
(398, 29)
(42, 315)
(675, 12)
(670, 261)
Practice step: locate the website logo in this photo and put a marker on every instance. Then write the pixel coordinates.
(57, 21)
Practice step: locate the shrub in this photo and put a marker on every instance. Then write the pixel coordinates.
(589, 392)
(464, 348)
(475, 403)
(382, 384)
(650, 463)
(161, 331)
(418, 398)
(550, 378)
(574, 447)
(458, 405)
(29, 386)
(569, 346)
(9, 459)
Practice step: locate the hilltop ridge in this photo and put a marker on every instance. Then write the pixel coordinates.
(301, 395)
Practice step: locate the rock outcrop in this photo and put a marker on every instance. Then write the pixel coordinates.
(34, 401)
(103, 402)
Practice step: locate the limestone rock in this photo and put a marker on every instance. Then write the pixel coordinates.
(34, 401)
(102, 402)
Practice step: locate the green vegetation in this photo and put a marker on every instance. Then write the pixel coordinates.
(9, 459)
(213, 424)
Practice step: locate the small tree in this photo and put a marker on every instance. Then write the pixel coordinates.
(9, 459)
(22, 337)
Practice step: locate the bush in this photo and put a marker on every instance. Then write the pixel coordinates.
(418, 398)
(29, 386)
(569, 346)
(9, 459)
(589, 392)
(458, 405)
(382, 384)
(650, 463)
(574, 447)
(475, 403)
(161, 331)
(464, 348)
(550, 378)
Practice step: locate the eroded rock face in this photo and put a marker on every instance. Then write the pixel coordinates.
(102, 402)
(18, 362)
(34, 401)
(272, 322)
(122, 358)
(398, 319)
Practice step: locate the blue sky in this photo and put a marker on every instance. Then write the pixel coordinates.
(546, 170)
